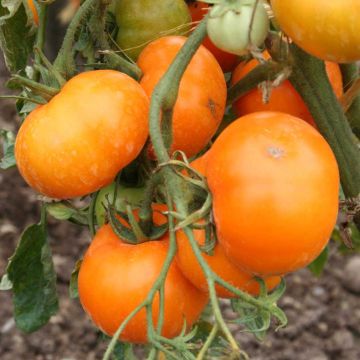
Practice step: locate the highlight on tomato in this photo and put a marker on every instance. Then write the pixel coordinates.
(200, 104)
(72, 146)
(143, 21)
(237, 26)
(227, 61)
(329, 30)
(123, 275)
(284, 97)
(275, 187)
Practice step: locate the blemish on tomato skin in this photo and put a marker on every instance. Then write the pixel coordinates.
(275, 152)
(212, 107)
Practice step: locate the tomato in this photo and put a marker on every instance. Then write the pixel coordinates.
(143, 21)
(34, 11)
(84, 136)
(125, 195)
(275, 187)
(115, 278)
(201, 100)
(220, 264)
(284, 97)
(218, 261)
(329, 30)
(226, 60)
(237, 25)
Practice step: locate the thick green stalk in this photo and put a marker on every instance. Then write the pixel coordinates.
(40, 37)
(310, 80)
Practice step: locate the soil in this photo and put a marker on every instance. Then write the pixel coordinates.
(323, 313)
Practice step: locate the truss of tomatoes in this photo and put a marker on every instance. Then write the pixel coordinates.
(273, 178)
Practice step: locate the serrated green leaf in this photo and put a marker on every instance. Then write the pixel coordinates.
(73, 287)
(318, 265)
(5, 283)
(8, 140)
(32, 274)
(16, 36)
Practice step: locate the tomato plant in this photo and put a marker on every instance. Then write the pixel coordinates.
(124, 274)
(275, 184)
(34, 11)
(226, 60)
(200, 103)
(282, 98)
(259, 203)
(313, 25)
(237, 26)
(141, 22)
(64, 135)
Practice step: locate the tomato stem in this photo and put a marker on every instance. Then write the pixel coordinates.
(267, 71)
(40, 37)
(310, 80)
(350, 74)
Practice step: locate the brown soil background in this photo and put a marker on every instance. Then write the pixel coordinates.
(324, 313)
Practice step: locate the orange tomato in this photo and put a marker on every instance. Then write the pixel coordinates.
(218, 261)
(220, 264)
(115, 278)
(284, 97)
(84, 136)
(226, 60)
(34, 11)
(314, 26)
(201, 100)
(275, 186)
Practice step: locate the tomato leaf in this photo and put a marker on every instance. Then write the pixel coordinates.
(8, 159)
(32, 274)
(318, 265)
(16, 35)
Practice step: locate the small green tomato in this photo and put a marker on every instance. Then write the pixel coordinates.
(229, 25)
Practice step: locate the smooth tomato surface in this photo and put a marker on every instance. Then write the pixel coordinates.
(202, 95)
(329, 30)
(226, 60)
(284, 97)
(115, 278)
(78, 142)
(220, 264)
(275, 186)
(143, 21)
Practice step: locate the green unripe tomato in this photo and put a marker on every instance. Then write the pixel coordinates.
(228, 25)
(125, 195)
(141, 21)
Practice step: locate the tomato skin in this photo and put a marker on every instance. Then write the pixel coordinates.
(314, 26)
(143, 21)
(275, 186)
(201, 100)
(226, 60)
(116, 277)
(72, 146)
(283, 98)
(34, 11)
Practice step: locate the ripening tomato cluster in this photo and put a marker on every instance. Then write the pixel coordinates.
(273, 178)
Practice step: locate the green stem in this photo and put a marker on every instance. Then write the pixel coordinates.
(40, 37)
(64, 62)
(45, 91)
(35, 101)
(208, 342)
(263, 72)
(310, 80)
